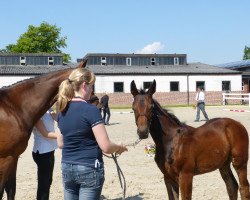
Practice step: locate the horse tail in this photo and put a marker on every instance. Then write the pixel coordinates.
(239, 142)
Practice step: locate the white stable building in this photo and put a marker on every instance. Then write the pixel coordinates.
(176, 79)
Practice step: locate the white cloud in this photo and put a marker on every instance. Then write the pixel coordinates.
(151, 48)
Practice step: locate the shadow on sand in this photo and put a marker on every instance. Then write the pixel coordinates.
(136, 197)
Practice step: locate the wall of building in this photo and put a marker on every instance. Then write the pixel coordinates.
(212, 82)
(163, 94)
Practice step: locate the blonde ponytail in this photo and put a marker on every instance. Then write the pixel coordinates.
(69, 86)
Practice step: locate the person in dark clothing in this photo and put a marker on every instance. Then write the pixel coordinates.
(94, 100)
(106, 111)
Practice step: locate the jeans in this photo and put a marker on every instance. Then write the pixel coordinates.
(106, 112)
(45, 165)
(201, 107)
(82, 182)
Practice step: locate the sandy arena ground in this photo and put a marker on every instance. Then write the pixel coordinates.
(143, 178)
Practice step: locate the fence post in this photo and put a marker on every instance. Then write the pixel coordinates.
(249, 99)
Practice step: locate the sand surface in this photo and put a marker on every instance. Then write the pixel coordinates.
(143, 179)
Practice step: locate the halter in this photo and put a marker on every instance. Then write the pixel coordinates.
(144, 115)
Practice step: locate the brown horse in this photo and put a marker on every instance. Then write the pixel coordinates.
(183, 151)
(21, 105)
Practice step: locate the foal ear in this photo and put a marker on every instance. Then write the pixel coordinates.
(82, 64)
(152, 88)
(133, 88)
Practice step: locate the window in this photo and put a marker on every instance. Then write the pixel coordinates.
(176, 61)
(200, 84)
(146, 85)
(22, 60)
(152, 61)
(51, 60)
(118, 86)
(103, 61)
(128, 61)
(174, 86)
(226, 86)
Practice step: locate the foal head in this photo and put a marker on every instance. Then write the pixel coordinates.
(143, 108)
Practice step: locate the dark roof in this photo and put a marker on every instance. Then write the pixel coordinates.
(236, 65)
(30, 70)
(191, 68)
(31, 54)
(131, 55)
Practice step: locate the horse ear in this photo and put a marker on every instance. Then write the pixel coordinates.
(152, 88)
(82, 64)
(133, 88)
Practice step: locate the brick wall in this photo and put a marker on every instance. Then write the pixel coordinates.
(168, 98)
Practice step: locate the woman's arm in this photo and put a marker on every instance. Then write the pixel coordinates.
(104, 142)
(42, 129)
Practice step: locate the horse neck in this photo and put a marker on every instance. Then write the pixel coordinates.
(163, 125)
(33, 97)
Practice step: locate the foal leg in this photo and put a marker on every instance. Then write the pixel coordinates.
(172, 188)
(230, 181)
(244, 185)
(11, 182)
(186, 184)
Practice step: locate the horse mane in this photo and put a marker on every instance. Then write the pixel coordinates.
(166, 113)
(162, 111)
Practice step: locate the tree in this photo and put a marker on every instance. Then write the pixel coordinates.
(246, 53)
(41, 39)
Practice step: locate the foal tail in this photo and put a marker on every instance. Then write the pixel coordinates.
(239, 142)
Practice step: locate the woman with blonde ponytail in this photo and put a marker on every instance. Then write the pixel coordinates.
(84, 138)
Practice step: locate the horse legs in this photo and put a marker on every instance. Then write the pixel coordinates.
(11, 182)
(5, 164)
(230, 181)
(172, 188)
(186, 184)
(244, 185)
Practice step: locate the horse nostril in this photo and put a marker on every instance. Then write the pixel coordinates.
(142, 134)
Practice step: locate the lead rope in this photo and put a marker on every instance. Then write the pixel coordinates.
(119, 171)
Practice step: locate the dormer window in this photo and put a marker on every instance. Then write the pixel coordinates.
(50, 60)
(22, 60)
(128, 61)
(176, 61)
(103, 61)
(152, 61)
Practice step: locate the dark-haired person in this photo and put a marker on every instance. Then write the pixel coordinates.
(105, 107)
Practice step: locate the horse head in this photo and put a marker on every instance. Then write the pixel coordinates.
(143, 108)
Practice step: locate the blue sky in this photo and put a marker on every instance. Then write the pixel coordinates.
(208, 31)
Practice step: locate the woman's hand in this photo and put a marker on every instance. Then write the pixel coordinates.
(121, 149)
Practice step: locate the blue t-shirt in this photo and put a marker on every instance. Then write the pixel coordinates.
(80, 146)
